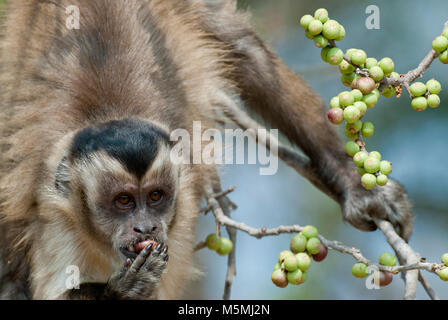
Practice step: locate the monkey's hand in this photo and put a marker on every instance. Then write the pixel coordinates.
(137, 280)
(389, 203)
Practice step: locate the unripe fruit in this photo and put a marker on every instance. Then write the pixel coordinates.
(320, 41)
(440, 44)
(309, 35)
(368, 181)
(367, 129)
(354, 127)
(298, 243)
(359, 158)
(225, 246)
(433, 101)
(357, 94)
(309, 232)
(362, 107)
(315, 27)
(395, 75)
(387, 259)
(351, 135)
(349, 79)
(377, 93)
(294, 277)
(387, 65)
(359, 270)
(445, 259)
(370, 99)
(212, 242)
(334, 102)
(349, 52)
(345, 67)
(336, 116)
(443, 57)
(312, 246)
(361, 171)
(279, 278)
(277, 266)
(358, 57)
(443, 274)
(283, 255)
(375, 154)
(351, 148)
(291, 263)
(303, 261)
(303, 278)
(341, 35)
(372, 165)
(381, 180)
(365, 84)
(322, 254)
(371, 62)
(331, 29)
(445, 33)
(385, 167)
(389, 92)
(335, 56)
(376, 73)
(306, 20)
(417, 89)
(351, 114)
(385, 277)
(433, 86)
(321, 14)
(346, 98)
(324, 53)
(419, 103)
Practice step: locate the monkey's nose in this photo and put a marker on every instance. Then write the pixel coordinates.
(145, 230)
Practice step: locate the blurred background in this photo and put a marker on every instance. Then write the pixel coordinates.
(416, 143)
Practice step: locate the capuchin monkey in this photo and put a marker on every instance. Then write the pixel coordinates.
(86, 114)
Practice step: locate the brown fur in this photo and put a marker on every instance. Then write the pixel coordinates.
(158, 60)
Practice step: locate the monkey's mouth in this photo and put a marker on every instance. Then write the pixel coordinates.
(133, 250)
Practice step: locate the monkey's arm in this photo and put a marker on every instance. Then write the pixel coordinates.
(282, 98)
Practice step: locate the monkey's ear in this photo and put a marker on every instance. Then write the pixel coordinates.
(62, 177)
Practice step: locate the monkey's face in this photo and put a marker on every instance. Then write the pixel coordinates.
(126, 183)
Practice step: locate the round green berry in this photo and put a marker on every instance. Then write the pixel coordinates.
(335, 56)
(376, 73)
(309, 232)
(324, 53)
(225, 246)
(445, 33)
(370, 99)
(294, 277)
(303, 261)
(357, 94)
(345, 67)
(348, 79)
(309, 35)
(351, 135)
(371, 62)
(334, 102)
(315, 27)
(359, 270)
(368, 181)
(359, 158)
(443, 57)
(298, 243)
(375, 154)
(358, 57)
(346, 98)
(367, 129)
(320, 41)
(381, 180)
(433, 101)
(443, 274)
(283, 255)
(351, 148)
(321, 14)
(277, 266)
(341, 35)
(440, 44)
(372, 164)
(387, 65)
(445, 259)
(433, 86)
(385, 167)
(419, 103)
(418, 89)
(389, 92)
(306, 20)
(313, 246)
(365, 84)
(387, 259)
(212, 241)
(362, 107)
(303, 278)
(349, 52)
(361, 171)
(279, 278)
(331, 29)
(351, 114)
(291, 263)
(354, 127)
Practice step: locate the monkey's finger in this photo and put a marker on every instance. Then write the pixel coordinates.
(164, 251)
(141, 258)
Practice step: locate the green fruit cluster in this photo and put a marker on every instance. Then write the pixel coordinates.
(440, 45)
(373, 170)
(360, 270)
(292, 265)
(223, 246)
(425, 95)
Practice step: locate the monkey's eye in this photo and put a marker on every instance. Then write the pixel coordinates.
(124, 201)
(155, 197)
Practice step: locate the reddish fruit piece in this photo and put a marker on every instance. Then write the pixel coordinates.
(336, 116)
(142, 245)
(365, 84)
(385, 278)
(323, 251)
(278, 277)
